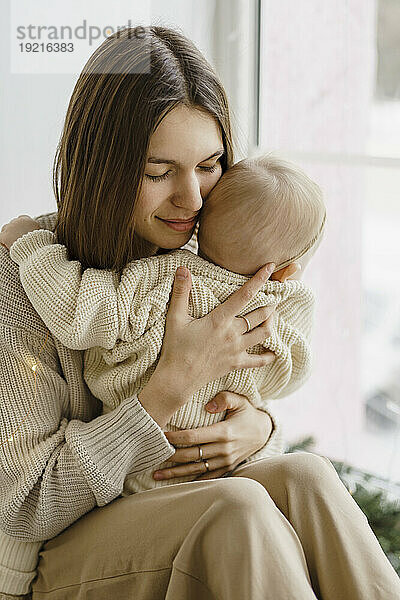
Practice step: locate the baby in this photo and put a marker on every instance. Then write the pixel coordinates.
(261, 210)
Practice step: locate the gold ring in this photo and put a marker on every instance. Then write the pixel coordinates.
(247, 321)
(207, 465)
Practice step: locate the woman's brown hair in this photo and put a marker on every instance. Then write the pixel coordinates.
(114, 109)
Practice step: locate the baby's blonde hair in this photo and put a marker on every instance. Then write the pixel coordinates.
(274, 200)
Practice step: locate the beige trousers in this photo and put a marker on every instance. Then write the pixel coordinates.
(279, 528)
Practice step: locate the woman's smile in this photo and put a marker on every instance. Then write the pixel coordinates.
(179, 226)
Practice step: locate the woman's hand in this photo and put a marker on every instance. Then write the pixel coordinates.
(197, 351)
(16, 228)
(244, 430)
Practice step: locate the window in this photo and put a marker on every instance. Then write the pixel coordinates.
(330, 100)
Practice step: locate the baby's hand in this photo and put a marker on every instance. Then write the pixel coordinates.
(16, 228)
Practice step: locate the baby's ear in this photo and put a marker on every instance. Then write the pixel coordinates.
(286, 272)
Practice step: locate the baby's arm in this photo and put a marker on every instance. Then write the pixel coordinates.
(83, 310)
(290, 341)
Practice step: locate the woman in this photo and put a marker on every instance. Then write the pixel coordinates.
(142, 147)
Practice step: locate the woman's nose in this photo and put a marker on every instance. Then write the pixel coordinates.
(189, 195)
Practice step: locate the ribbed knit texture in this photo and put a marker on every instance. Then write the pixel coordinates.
(66, 458)
(121, 321)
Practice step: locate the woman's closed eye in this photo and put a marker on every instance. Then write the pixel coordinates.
(167, 173)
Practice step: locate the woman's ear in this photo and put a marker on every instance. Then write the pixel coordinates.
(286, 272)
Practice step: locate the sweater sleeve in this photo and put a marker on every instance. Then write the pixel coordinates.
(290, 341)
(45, 455)
(82, 309)
(275, 443)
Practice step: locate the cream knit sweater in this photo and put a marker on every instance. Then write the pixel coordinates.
(120, 321)
(64, 458)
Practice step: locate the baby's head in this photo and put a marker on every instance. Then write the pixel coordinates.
(262, 210)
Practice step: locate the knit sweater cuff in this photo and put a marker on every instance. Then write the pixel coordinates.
(275, 444)
(123, 441)
(24, 246)
(18, 561)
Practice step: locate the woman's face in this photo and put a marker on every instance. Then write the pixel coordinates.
(183, 165)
